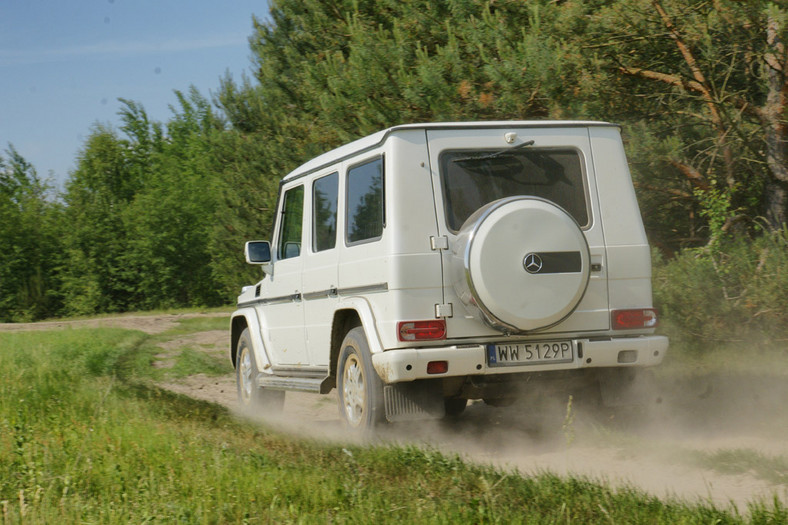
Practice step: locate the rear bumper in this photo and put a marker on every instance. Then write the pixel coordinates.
(409, 364)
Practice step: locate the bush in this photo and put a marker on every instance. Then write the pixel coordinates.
(735, 291)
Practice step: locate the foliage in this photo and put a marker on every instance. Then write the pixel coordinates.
(246, 194)
(706, 81)
(155, 214)
(28, 242)
(141, 205)
(84, 441)
(96, 195)
(731, 291)
(170, 219)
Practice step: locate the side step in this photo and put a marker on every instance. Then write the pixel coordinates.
(315, 385)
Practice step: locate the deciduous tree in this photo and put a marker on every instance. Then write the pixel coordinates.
(29, 242)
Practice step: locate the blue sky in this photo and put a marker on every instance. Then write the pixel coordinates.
(65, 63)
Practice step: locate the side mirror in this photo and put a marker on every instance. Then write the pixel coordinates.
(259, 253)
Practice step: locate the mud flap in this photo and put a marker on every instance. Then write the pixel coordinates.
(416, 400)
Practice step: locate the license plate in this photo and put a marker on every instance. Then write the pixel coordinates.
(541, 352)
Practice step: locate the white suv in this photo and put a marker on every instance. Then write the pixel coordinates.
(430, 264)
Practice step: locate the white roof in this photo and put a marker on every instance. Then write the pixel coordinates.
(377, 138)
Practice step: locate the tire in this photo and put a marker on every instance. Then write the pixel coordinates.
(454, 406)
(360, 388)
(253, 399)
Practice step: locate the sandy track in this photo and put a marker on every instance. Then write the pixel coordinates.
(150, 324)
(657, 454)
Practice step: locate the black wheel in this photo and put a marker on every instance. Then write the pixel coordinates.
(252, 398)
(454, 406)
(360, 388)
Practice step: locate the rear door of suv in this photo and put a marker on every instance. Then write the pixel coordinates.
(472, 166)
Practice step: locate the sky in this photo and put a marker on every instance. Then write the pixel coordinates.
(65, 63)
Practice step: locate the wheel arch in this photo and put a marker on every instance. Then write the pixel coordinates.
(241, 320)
(344, 320)
(237, 325)
(350, 313)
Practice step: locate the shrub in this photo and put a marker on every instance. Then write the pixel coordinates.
(733, 291)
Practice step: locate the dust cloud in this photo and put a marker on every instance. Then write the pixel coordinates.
(683, 444)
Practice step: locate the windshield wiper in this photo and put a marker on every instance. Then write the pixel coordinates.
(496, 154)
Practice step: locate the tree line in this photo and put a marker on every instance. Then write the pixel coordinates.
(155, 213)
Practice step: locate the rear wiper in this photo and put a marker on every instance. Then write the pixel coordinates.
(496, 154)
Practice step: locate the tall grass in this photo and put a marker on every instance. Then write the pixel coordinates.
(83, 440)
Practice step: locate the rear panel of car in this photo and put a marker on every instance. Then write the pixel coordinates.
(570, 150)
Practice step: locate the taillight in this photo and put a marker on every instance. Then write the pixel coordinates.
(422, 330)
(634, 318)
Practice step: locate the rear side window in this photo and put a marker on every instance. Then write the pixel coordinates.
(365, 208)
(292, 220)
(473, 178)
(324, 212)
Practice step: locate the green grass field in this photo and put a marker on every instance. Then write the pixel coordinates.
(85, 437)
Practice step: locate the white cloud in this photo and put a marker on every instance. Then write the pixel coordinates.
(115, 49)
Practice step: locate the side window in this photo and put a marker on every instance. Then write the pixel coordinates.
(365, 201)
(290, 231)
(324, 212)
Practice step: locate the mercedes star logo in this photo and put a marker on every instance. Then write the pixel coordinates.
(532, 263)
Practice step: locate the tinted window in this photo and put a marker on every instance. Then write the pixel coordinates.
(474, 178)
(365, 201)
(292, 219)
(324, 212)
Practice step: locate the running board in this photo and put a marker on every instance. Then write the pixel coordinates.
(316, 385)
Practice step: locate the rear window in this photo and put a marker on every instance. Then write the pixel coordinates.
(473, 178)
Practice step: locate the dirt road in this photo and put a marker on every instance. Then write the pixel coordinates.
(705, 426)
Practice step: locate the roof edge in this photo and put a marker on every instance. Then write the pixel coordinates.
(360, 145)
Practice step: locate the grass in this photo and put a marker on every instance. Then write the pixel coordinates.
(758, 354)
(190, 361)
(85, 438)
(188, 358)
(773, 469)
(166, 311)
(200, 324)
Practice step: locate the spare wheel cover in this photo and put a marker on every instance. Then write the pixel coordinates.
(526, 263)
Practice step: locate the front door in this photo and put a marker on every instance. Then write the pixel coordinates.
(281, 307)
